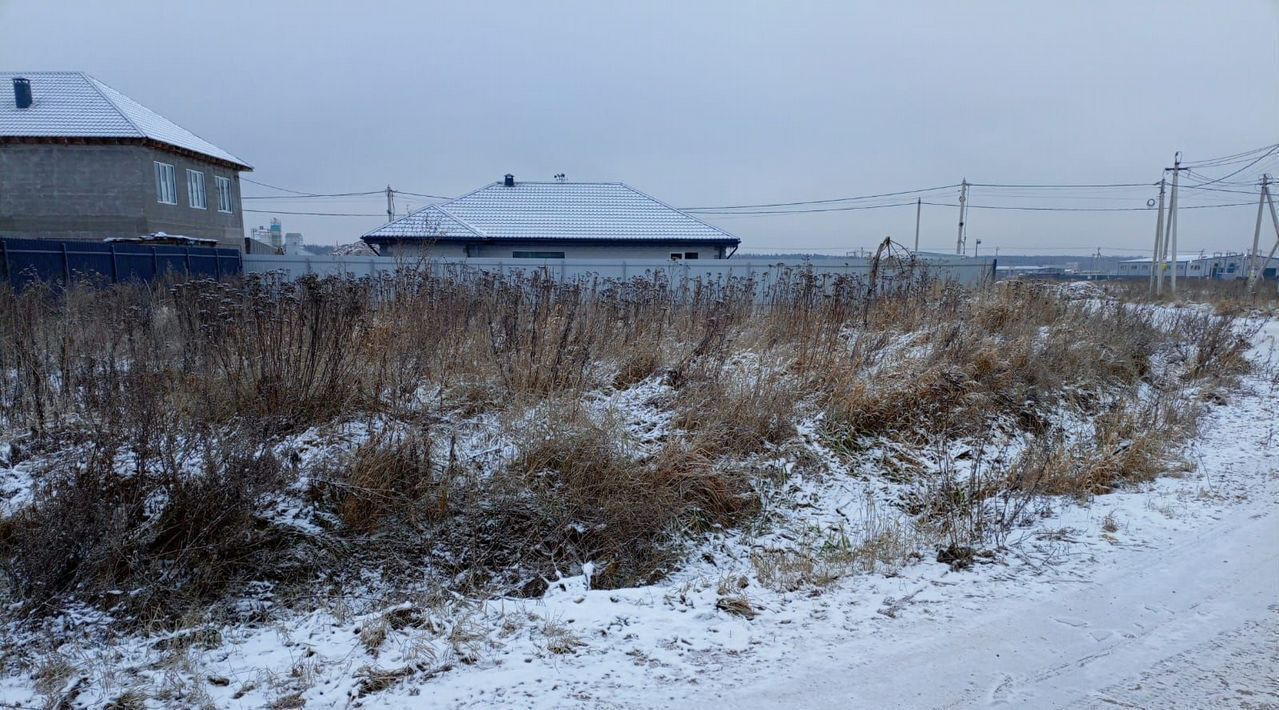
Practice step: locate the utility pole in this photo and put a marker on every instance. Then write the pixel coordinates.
(1156, 261)
(1274, 219)
(390, 204)
(1256, 233)
(960, 242)
(1172, 220)
(919, 206)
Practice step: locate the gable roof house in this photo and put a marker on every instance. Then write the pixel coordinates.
(80, 160)
(552, 220)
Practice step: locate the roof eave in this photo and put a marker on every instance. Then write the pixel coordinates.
(130, 140)
(717, 241)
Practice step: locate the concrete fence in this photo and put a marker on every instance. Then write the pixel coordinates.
(962, 270)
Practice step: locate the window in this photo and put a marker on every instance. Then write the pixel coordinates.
(196, 196)
(224, 193)
(166, 184)
(676, 256)
(537, 255)
(690, 255)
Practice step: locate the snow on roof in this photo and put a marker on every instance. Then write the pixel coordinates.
(553, 210)
(1180, 258)
(76, 105)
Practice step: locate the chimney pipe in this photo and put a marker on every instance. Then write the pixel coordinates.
(508, 181)
(21, 92)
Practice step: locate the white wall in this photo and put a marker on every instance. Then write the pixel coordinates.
(970, 271)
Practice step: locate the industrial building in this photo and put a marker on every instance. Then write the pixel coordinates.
(513, 219)
(82, 161)
(1222, 266)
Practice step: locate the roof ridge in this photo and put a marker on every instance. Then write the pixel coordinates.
(97, 83)
(419, 211)
(468, 194)
(464, 223)
(97, 86)
(558, 182)
(675, 209)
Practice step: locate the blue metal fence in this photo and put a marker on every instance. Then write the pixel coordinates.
(23, 261)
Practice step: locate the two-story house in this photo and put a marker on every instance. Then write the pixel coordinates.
(80, 160)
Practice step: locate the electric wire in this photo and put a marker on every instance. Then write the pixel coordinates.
(820, 202)
(1265, 155)
(321, 214)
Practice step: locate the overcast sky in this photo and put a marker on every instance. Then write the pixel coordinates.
(707, 104)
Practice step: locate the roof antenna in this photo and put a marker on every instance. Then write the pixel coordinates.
(560, 177)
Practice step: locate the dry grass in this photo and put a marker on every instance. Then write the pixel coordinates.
(1226, 297)
(157, 413)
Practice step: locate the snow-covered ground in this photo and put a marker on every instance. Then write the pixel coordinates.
(1164, 595)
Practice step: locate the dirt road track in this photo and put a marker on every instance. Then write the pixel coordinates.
(1195, 625)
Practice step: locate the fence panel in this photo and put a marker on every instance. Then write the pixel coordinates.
(968, 271)
(23, 261)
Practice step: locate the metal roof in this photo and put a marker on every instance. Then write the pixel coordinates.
(1180, 258)
(75, 105)
(553, 211)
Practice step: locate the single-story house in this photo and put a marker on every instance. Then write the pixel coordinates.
(80, 160)
(512, 219)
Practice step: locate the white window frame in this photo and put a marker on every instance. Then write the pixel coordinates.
(166, 184)
(225, 202)
(197, 193)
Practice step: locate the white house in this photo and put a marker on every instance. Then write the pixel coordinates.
(553, 220)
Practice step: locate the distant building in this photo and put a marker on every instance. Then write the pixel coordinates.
(1220, 266)
(553, 220)
(80, 160)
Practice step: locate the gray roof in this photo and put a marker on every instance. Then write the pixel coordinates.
(553, 210)
(75, 105)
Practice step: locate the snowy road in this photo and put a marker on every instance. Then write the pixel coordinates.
(1194, 625)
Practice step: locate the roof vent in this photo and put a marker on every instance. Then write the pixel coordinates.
(21, 92)
(508, 180)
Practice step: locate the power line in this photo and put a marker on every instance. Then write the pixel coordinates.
(1064, 185)
(951, 204)
(1263, 156)
(320, 214)
(306, 197)
(301, 193)
(420, 194)
(707, 211)
(1230, 159)
(281, 189)
(1084, 209)
(821, 202)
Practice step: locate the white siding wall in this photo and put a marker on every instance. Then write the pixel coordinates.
(430, 251)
